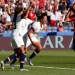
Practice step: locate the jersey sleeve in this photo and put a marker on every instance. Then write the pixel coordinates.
(35, 27)
(30, 21)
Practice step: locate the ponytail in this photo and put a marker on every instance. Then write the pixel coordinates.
(17, 11)
(15, 15)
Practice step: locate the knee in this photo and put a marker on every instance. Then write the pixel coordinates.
(40, 48)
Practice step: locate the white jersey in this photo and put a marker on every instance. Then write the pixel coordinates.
(22, 27)
(17, 38)
(37, 28)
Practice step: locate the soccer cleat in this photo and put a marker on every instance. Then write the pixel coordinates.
(12, 66)
(30, 62)
(24, 69)
(2, 65)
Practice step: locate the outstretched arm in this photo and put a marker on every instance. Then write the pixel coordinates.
(7, 24)
(27, 10)
(69, 17)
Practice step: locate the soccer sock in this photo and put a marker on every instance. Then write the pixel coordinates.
(22, 57)
(9, 58)
(36, 51)
(14, 60)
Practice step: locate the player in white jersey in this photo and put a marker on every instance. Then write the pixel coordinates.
(32, 39)
(38, 28)
(15, 20)
(17, 40)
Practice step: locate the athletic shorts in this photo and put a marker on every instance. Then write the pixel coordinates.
(16, 41)
(28, 42)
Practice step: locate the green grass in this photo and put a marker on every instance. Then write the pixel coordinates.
(57, 59)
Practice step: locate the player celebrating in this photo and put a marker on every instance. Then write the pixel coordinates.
(71, 17)
(38, 26)
(32, 39)
(17, 41)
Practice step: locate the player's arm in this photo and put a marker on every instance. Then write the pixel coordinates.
(69, 18)
(27, 10)
(45, 27)
(30, 33)
(29, 26)
(7, 24)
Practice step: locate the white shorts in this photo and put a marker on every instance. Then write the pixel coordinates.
(28, 42)
(16, 42)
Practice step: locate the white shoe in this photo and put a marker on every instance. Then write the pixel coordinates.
(30, 62)
(2, 65)
(12, 66)
(24, 69)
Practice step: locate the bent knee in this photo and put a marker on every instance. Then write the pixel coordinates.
(40, 48)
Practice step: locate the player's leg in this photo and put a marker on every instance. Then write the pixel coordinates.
(27, 42)
(13, 43)
(15, 59)
(16, 52)
(22, 58)
(12, 64)
(35, 52)
(25, 54)
(9, 58)
(20, 44)
(38, 48)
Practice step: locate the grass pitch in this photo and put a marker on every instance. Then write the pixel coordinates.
(48, 62)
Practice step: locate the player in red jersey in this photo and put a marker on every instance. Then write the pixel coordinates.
(71, 17)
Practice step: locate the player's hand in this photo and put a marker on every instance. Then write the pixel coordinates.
(31, 1)
(45, 28)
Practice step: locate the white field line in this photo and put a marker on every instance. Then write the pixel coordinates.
(47, 67)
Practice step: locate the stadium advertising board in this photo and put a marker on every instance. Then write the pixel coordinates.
(48, 42)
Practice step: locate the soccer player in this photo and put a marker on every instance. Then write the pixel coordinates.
(32, 39)
(15, 21)
(17, 41)
(71, 17)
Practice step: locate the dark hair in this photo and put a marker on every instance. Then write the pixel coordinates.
(17, 11)
(42, 15)
(24, 14)
(71, 7)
